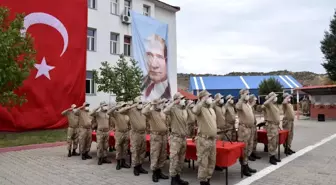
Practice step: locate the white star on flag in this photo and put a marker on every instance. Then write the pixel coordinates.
(43, 69)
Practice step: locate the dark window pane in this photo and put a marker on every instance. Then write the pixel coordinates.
(88, 83)
(91, 32)
(114, 37)
(127, 40)
(92, 44)
(88, 43)
(93, 3)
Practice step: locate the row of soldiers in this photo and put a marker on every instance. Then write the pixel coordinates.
(215, 120)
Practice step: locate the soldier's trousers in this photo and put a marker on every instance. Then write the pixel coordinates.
(255, 138)
(230, 134)
(191, 129)
(85, 139)
(72, 138)
(138, 147)
(272, 136)
(288, 125)
(121, 146)
(177, 148)
(206, 157)
(245, 135)
(102, 143)
(158, 150)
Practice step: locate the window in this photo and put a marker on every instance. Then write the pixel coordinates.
(90, 39)
(90, 87)
(127, 46)
(114, 7)
(92, 4)
(127, 7)
(114, 43)
(146, 10)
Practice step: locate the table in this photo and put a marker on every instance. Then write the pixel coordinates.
(262, 138)
(227, 154)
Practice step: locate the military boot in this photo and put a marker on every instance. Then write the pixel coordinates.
(266, 148)
(69, 153)
(155, 176)
(100, 161)
(291, 151)
(74, 153)
(204, 183)
(106, 161)
(141, 170)
(246, 171)
(174, 181)
(136, 170)
(273, 160)
(217, 168)
(118, 167)
(251, 158)
(87, 155)
(124, 164)
(254, 155)
(161, 175)
(251, 170)
(181, 181)
(83, 156)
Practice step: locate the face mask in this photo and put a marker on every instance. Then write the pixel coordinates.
(139, 106)
(221, 101)
(87, 109)
(104, 108)
(231, 101)
(182, 102)
(289, 100)
(275, 99)
(247, 97)
(209, 101)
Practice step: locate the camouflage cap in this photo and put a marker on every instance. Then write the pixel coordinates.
(178, 95)
(155, 102)
(103, 103)
(203, 93)
(253, 97)
(242, 91)
(137, 99)
(218, 96)
(229, 97)
(272, 94)
(285, 95)
(121, 103)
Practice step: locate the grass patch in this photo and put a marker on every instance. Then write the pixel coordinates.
(32, 137)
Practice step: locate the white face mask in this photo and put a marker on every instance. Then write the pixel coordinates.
(104, 108)
(231, 101)
(183, 102)
(247, 97)
(139, 106)
(288, 100)
(209, 101)
(275, 99)
(86, 108)
(221, 101)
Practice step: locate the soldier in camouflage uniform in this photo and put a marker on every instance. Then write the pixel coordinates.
(103, 128)
(72, 135)
(138, 135)
(158, 138)
(252, 102)
(179, 132)
(288, 122)
(206, 137)
(191, 123)
(245, 131)
(272, 125)
(230, 117)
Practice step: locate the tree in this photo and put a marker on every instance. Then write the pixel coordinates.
(17, 57)
(270, 85)
(124, 79)
(328, 48)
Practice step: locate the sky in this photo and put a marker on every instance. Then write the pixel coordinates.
(222, 36)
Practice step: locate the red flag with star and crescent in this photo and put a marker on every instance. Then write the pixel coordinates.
(57, 80)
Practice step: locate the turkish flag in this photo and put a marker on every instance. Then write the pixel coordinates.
(59, 29)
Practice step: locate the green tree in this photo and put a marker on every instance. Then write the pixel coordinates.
(17, 57)
(124, 79)
(270, 85)
(328, 48)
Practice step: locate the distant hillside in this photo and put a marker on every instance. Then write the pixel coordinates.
(304, 77)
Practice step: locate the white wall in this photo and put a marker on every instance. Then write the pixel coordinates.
(105, 22)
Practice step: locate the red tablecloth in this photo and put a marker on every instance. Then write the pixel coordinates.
(227, 155)
(262, 136)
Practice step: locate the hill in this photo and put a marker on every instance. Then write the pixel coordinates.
(306, 78)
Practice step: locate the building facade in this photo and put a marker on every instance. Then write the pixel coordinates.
(109, 35)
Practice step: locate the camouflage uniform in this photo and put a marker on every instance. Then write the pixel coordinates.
(72, 134)
(158, 138)
(220, 116)
(191, 122)
(230, 117)
(206, 137)
(253, 154)
(245, 131)
(288, 122)
(272, 125)
(85, 133)
(179, 132)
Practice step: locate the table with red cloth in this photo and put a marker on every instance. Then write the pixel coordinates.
(262, 138)
(226, 153)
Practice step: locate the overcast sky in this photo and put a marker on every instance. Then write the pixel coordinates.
(221, 36)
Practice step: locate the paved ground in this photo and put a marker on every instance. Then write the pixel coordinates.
(52, 166)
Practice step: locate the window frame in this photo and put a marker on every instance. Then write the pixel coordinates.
(127, 9)
(148, 8)
(91, 39)
(92, 4)
(114, 2)
(129, 46)
(114, 41)
(92, 87)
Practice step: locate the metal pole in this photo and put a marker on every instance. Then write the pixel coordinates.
(297, 104)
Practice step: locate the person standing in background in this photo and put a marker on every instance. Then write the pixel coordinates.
(288, 122)
(72, 134)
(85, 130)
(230, 117)
(252, 102)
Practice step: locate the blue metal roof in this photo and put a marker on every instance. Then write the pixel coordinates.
(237, 82)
